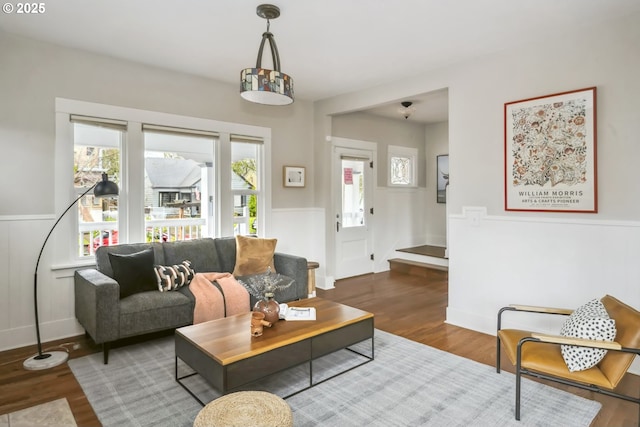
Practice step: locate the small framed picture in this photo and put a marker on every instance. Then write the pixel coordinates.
(293, 176)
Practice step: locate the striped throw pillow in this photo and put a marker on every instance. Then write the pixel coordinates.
(172, 277)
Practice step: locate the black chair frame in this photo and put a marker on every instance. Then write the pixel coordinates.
(524, 371)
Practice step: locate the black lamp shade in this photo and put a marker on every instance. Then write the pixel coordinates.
(105, 187)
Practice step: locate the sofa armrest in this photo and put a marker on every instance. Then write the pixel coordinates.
(97, 304)
(295, 267)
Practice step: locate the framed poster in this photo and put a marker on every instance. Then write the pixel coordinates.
(293, 176)
(442, 169)
(550, 153)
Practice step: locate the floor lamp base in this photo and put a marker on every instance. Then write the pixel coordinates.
(46, 360)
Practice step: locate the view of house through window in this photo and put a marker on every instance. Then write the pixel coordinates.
(96, 151)
(172, 187)
(178, 183)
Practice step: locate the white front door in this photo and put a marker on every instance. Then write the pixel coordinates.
(353, 193)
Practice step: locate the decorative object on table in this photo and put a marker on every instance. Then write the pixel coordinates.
(262, 86)
(264, 286)
(550, 153)
(103, 188)
(293, 176)
(442, 163)
(258, 323)
(297, 313)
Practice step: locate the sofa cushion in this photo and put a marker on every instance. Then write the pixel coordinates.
(103, 263)
(146, 312)
(134, 272)
(254, 255)
(590, 321)
(201, 253)
(172, 277)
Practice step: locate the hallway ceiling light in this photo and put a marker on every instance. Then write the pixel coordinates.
(260, 85)
(407, 109)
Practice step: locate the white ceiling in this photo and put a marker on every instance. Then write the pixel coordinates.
(329, 47)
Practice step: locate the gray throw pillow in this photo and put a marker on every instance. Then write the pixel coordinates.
(134, 272)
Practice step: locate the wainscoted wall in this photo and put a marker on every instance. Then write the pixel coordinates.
(299, 231)
(400, 221)
(22, 238)
(583, 259)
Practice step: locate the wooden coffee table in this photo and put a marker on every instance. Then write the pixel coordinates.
(225, 354)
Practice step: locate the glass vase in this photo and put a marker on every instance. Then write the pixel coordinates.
(269, 307)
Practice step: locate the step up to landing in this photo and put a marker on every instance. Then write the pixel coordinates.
(414, 268)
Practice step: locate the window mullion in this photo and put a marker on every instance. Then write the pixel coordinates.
(224, 178)
(131, 221)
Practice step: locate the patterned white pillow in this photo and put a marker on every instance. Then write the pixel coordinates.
(172, 277)
(590, 321)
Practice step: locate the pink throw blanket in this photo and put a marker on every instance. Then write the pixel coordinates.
(210, 302)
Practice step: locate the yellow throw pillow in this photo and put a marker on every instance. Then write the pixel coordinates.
(254, 255)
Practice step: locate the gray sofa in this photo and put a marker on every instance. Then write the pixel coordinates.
(106, 317)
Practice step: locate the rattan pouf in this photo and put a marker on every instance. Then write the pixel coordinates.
(246, 408)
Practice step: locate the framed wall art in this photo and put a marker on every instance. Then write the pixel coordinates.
(550, 153)
(442, 169)
(293, 176)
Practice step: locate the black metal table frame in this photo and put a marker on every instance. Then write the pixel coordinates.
(369, 358)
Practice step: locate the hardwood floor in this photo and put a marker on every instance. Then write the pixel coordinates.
(410, 306)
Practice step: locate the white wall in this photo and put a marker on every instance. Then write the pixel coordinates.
(542, 258)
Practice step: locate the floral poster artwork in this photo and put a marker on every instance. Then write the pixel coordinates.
(550, 153)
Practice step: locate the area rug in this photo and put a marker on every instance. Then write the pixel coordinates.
(408, 384)
(56, 413)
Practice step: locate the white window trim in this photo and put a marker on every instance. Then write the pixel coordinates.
(399, 151)
(63, 172)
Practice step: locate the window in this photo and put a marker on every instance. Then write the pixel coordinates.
(353, 191)
(402, 166)
(245, 184)
(181, 179)
(96, 151)
(178, 177)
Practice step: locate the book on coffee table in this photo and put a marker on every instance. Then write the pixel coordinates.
(297, 313)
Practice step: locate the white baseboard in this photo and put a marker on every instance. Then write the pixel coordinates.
(327, 283)
(49, 331)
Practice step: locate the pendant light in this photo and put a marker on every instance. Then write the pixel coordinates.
(260, 85)
(407, 109)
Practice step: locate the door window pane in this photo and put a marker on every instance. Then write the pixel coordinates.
(353, 192)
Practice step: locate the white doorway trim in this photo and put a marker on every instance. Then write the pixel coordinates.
(361, 239)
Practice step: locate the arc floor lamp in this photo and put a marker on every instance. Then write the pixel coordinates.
(103, 188)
